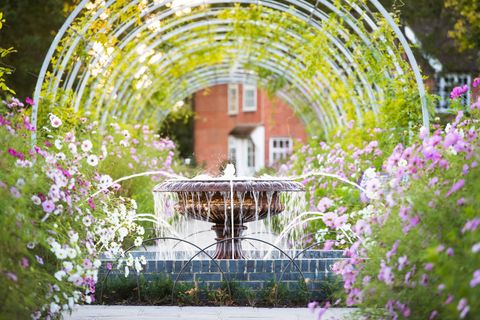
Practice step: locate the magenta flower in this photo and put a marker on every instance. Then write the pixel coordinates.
(476, 82)
(30, 101)
(48, 206)
(458, 91)
(109, 266)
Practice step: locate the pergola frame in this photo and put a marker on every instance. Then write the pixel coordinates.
(107, 93)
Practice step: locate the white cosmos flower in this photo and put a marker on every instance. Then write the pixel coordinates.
(60, 274)
(143, 260)
(138, 241)
(402, 163)
(127, 271)
(87, 221)
(72, 147)
(92, 160)
(122, 232)
(61, 254)
(60, 156)
(138, 266)
(370, 173)
(72, 253)
(68, 266)
(86, 145)
(140, 230)
(97, 263)
(105, 181)
(58, 144)
(36, 200)
(55, 121)
(54, 308)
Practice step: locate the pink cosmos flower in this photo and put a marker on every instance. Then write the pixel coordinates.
(450, 252)
(12, 276)
(476, 105)
(463, 308)
(456, 186)
(402, 262)
(312, 306)
(24, 262)
(48, 206)
(476, 279)
(385, 274)
(476, 248)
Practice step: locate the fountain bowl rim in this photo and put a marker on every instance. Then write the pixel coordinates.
(224, 185)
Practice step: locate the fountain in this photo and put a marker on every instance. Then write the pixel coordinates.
(228, 202)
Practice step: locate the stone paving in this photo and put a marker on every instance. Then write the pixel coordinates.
(200, 313)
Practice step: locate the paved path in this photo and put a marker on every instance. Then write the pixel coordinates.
(199, 313)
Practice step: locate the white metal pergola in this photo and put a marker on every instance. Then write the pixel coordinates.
(195, 26)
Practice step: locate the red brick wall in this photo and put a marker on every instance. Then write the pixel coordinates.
(213, 124)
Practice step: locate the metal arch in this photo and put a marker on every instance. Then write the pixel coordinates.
(152, 46)
(295, 3)
(411, 59)
(340, 75)
(339, 46)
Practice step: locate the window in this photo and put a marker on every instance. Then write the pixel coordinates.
(250, 154)
(445, 85)
(280, 148)
(249, 98)
(232, 99)
(232, 150)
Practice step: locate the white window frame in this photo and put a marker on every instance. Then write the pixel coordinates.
(232, 103)
(250, 154)
(445, 85)
(253, 107)
(283, 151)
(232, 150)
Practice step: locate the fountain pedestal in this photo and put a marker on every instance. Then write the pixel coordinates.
(223, 249)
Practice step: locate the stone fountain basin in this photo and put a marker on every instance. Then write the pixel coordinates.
(210, 200)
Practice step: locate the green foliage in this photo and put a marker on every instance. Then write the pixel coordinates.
(30, 28)
(157, 290)
(466, 30)
(440, 227)
(5, 70)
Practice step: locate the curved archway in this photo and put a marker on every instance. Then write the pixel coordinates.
(330, 60)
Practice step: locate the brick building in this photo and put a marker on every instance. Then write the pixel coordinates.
(241, 124)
